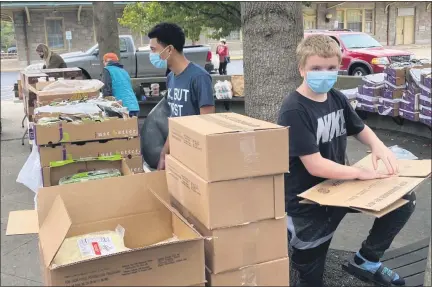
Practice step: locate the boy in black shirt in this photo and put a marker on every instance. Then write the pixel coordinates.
(320, 119)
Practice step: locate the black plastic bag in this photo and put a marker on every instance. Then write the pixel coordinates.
(154, 133)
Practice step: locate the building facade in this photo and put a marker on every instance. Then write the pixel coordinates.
(69, 26)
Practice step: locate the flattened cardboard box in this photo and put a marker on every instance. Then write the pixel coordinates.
(226, 146)
(377, 197)
(226, 203)
(242, 245)
(272, 273)
(125, 147)
(111, 128)
(147, 220)
(52, 175)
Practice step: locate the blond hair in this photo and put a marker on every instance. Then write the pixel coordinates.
(317, 45)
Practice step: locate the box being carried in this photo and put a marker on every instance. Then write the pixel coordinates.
(162, 249)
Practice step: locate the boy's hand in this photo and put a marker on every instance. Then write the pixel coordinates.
(367, 174)
(381, 152)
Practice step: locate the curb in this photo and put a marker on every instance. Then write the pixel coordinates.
(11, 70)
(236, 58)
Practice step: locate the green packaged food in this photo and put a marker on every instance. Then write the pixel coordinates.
(90, 175)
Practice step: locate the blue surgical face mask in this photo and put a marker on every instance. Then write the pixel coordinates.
(320, 82)
(156, 60)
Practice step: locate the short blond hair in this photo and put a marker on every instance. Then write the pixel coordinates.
(317, 45)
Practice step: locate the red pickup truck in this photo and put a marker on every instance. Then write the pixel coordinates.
(362, 54)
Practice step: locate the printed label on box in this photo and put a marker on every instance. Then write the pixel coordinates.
(93, 246)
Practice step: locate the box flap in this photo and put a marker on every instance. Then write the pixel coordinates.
(22, 222)
(407, 168)
(54, 230)
(222, 123)
(371, 194)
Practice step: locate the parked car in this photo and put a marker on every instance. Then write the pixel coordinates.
(361, 53)
(12, 50)
(135, 61)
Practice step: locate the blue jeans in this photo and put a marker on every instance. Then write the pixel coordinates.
(133, 114)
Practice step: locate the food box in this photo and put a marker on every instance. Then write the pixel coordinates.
(65, 73)
(396, 72)
(47, 97)
(427, 120)
(272, 273)
(396, 81)
(389, 103)
(127, 148)
(367, 100)
(67, 132)
(367, 108)
(426, 111)
(52, 174)
(372, 91)
(425, 91)
(226, 203)
(425, 101)
(390, 86)
(227, 146)
(409, 115)
(242, 245)
(388, 111)
(149, 222)
(414, 88)
(392, 94)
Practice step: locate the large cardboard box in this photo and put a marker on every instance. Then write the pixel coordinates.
(375, 197)
(272, 273)
(47, 97)
(62, 132)
(228, 146)
(226, 203)
(242, 245)
(127, 148)
(146, 218)
(135, 164)
(51, 175)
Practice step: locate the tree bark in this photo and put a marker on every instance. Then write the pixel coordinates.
(427, 280)
(107, 34)
(271, 33)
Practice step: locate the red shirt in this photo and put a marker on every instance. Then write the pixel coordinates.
(222, 51)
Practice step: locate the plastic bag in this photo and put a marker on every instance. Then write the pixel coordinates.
(154, 133)
(401, 153)
(30, 174)
(223, 90)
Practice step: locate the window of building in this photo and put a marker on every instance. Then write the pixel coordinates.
(368, 20)
(54, 32)
(340, 17)
(354, 19)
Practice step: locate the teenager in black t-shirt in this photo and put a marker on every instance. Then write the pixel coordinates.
(320, 119)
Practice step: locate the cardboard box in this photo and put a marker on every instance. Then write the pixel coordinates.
(393, 94)
(112, 128)
(127, 148)
(52, 175)
(272, 273)
(65, 73)
(146, 218)
(409, 115)
(226, 203)
(396, 72)
(47, 97)
(135, 164)
(376, 197)
(396, 81)
(228, 146)
(242, 245)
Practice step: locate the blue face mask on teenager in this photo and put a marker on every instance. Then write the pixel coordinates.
(320, 82)
(156, 60)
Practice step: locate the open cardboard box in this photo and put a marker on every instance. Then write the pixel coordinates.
(227, 146)
(374, 197)
(127, 148)
(51, 175)
(138, 204)
(109, 128)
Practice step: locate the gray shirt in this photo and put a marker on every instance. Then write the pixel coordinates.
(189, 91)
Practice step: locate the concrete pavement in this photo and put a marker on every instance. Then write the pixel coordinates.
(19, 254)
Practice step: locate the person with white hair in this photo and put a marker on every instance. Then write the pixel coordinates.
(223, 52)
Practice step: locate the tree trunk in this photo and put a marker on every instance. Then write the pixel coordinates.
(427, 280)
(271, 33)
(107, 34)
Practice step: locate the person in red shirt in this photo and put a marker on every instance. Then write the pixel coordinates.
(222, 51)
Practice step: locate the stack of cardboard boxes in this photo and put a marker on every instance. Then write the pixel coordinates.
(225, 175)
(370, 92)
(425, 98)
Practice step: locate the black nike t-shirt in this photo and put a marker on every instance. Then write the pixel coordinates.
(314, 127)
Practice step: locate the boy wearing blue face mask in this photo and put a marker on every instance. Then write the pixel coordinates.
(320, 120)
(190, 89)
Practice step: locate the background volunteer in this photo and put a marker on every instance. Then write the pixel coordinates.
(117, 83)
(52, 60)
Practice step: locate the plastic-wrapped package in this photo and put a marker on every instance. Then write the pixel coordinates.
(67, 86)
(90, 175)
(154, 133)
(401, 153)
(82, 247)
(223, 90)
